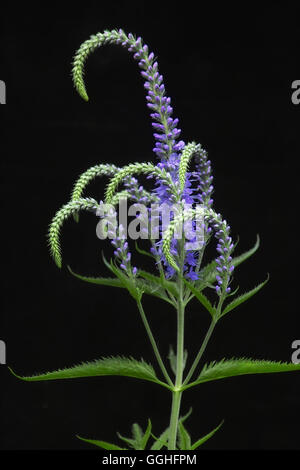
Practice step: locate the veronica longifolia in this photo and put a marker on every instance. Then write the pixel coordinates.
(182, 188)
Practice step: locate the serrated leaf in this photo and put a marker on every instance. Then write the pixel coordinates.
(201, 297)
(129, 283)
(235, 367)
(243, 298)
(207, 275)
(244, 256)
(184, 439)
(121, 366)
(145, 286)
(113, 282)
(103, 444)
(139, 438)
(203, 439)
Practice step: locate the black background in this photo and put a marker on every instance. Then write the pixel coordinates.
(229, 74)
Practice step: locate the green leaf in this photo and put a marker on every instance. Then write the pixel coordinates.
(160, 281)
(162, 440)
(122, 366)
(139, 438)
(244, 256)
(151, 288)
(143, 252)
(201, 297)
(207, 275)
(113, 282)
(184, 439)
(205, 438)
(102, 444)
(234, 367)
(146, 436)
(137, 432)
(128, 282)
(173, 359)
(130, 442)
(144, 286)
(242, 298)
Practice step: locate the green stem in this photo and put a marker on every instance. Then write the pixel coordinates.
(154, 346)
(200, 353)
(206, 339)
(177, 393)
(176, 399)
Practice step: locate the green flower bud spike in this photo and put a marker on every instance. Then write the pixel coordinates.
(63, 214)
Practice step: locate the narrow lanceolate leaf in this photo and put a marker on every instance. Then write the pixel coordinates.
(203, 439)
(242, 298)
(103, 444)
(207, 275)
(112, 282)
(143, 252)
(146, 436)
(144, 286)
(122, 366)
(162, 440)
(128, 282)
(241, 258)
(234, 367)
(201, 297)
(184, 439)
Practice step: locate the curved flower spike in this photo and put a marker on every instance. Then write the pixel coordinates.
(145, 168)
(64, 213)
(104, 169)
(164, 125)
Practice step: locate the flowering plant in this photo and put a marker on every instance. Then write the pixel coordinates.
(181, 198)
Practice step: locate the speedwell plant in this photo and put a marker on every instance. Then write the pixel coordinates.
(180, 176)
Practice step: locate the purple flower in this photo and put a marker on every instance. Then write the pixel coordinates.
(192, 275)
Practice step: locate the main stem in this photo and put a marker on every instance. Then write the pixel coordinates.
(177, 393)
